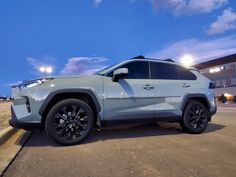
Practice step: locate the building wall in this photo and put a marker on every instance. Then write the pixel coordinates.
(224, 77)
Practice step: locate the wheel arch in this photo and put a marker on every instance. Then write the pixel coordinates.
(198, 97)
(54, 97)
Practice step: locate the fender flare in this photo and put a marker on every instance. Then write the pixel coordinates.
(193, 95)
(89, 92)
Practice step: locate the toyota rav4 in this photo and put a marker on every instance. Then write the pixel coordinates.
(139, 89)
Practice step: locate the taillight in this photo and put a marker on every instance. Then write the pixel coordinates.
(212, 85)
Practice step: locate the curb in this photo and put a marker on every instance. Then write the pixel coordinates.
(11, 148)
(225, 108)
(6, 133)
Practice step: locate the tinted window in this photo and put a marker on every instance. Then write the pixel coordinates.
(185, 74)
(110, 74)
(163, 71)
(137, 70)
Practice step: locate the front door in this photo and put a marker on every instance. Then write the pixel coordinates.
(132, 97)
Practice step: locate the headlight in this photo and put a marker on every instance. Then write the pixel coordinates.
(33, 83)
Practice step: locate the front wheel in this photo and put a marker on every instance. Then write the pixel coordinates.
(195, 117)
(69, 121)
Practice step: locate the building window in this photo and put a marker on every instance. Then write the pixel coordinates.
(224, 82)
(233, 81)
(218, 84)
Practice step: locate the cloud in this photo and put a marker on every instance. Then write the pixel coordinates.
(186, 7)
(225, 22)
(97, 2)
(83, 65)
(202, 50)
(43, 61)
(12, 84)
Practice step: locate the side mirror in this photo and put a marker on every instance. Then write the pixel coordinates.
(119, 73)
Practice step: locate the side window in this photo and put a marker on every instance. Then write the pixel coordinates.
(137, 70)
(185, 74)
(110, 74)
(164, 71)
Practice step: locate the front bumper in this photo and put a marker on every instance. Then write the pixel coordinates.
(14, 122)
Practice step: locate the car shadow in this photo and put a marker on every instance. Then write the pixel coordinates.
(40, 138)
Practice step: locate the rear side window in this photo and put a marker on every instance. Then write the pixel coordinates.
(164, 71)
(185, 74)
(137, 70)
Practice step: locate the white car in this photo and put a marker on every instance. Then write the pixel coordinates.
(134, 90)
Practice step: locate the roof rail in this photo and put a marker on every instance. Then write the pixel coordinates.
(170, 60)
(139, 57)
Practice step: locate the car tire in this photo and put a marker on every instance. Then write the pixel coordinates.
(69, 121)
(195, 117)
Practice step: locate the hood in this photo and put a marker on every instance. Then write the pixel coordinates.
(27, 82)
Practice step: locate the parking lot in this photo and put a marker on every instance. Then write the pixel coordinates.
(141, 150)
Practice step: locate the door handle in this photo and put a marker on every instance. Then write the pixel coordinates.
(185, 85)
(148, 87)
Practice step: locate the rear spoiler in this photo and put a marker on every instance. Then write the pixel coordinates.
(194, 69)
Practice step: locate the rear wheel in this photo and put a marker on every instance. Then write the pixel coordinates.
(195, 117)
(69, 121)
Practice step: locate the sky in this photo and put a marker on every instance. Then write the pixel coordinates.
(81, 36)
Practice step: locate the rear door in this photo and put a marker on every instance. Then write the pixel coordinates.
(132, 97)
(169, 89)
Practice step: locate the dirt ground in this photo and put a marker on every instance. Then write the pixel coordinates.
(4, 114)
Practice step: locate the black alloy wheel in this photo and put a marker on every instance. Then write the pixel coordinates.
(69, 121)
(195, 118)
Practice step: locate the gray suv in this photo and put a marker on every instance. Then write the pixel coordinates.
(134, 90)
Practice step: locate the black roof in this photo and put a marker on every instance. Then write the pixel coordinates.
(170, 60)
(139, 57)
(142, 57)
(215, 62)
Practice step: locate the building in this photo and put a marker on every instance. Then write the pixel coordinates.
(223, 72)
(4, 98)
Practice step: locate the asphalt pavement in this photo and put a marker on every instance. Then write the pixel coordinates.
(141, 150)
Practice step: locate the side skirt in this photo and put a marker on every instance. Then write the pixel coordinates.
(105, 123)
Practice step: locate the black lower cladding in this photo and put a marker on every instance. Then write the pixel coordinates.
(213, 111)
(14, 122)
(141, 120)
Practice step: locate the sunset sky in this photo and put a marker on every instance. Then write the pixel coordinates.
(80, 36)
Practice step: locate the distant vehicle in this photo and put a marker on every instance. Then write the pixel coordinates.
(134, 90)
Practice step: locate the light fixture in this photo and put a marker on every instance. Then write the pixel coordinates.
(217, 69)
(211, 70)
(46, 70)
(187, 60)
(227, 95)
(42, 69)
(214, 70)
